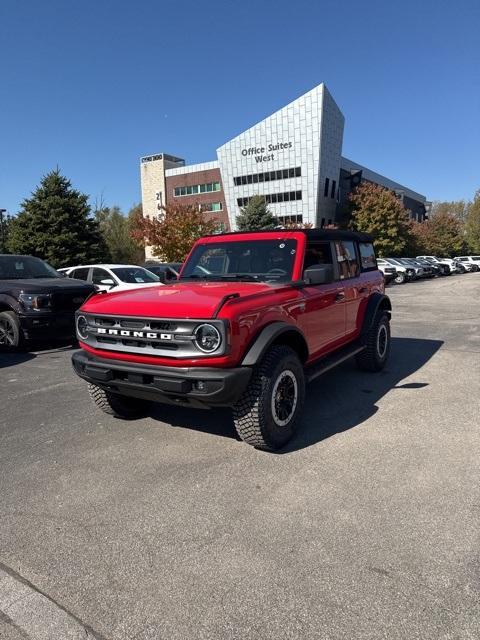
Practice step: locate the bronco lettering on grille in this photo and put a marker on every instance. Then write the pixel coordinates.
(135, 334)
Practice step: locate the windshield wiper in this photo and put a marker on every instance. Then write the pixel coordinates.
(238, 276)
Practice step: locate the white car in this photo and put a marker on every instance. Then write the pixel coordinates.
(402, 272)
(471, 263)
(113, 277)
(434, 260)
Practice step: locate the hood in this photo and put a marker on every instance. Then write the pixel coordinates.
(45, 285)
(179, 300)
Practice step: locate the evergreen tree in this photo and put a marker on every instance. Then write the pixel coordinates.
(472, 225)
(378, 211)
(55, 224)
(256, 216)
(5, 230)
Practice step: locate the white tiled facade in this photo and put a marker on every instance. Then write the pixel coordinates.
(311, 130)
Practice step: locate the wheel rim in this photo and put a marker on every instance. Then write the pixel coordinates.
(382, 341)
(400, 278)
(284, 398)
(7, 333)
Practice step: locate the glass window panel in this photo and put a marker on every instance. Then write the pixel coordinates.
(249, 179)
(260, 177)
(292, 195)
(286, 197)
(280, 197)
(298, 195)
(272, 175)
(216, 186)
(203, 187)
(255, 178)
(209, 186)
(274, 197)
(298, 171)
(327, 184)
(279, 174)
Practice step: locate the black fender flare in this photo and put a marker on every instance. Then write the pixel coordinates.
(270, 334)
(377, 302)
(8, 303)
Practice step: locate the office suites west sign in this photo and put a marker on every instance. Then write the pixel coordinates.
(265, 154)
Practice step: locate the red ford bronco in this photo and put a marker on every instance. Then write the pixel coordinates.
(252, 319)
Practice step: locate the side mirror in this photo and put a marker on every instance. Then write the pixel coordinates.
(318, 274)
(108, 282)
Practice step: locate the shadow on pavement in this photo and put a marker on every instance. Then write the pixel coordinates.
(340, 400)
(10, 359)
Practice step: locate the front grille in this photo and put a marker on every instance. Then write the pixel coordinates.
(68, 301)
(147, 336)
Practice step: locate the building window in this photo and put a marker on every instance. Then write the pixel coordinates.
(327, 184)
(192, 190)
(334, 187)
(290, 219)
(268, 176)
(212, 206)
(286, 196)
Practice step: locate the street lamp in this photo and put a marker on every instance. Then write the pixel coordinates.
(2, 211)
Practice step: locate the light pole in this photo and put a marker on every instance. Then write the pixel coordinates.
(2, 211)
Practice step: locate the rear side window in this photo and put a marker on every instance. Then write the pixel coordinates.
(367, 256)
(348, 265)
(80, 274)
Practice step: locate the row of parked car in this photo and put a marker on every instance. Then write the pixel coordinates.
(401, 270)
(122, 277)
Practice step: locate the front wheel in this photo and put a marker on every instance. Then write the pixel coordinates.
(10, 332)
(116, 405)
(377, 343)
(267, 414)
(400, 278)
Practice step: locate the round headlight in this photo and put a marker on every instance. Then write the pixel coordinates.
(207, 338)
(82, 327)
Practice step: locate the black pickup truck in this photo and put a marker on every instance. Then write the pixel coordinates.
(36, 302)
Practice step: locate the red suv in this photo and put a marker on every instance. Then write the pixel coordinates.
(252, 318)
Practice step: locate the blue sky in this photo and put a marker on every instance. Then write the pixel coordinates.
(92, 85)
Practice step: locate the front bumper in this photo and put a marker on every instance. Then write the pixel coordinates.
(189, 386)
(43, 326)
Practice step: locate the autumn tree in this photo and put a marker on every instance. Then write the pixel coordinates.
(457, 208)
(378, 211)
(472, 225)
(256, 216)
(173, 233)
(440, 235)
(115, 229)
(56, 224)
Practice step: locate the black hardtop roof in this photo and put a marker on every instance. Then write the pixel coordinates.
(312, 234)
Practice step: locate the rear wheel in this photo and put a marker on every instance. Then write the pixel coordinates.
(377, 343)
(117, 405)
(267, 414)
(10, 332)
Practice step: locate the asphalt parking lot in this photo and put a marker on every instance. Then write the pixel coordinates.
(366, 527)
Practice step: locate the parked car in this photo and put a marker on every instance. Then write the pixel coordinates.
(446, 265)
(118, 277)
(35, 302)
(403, 274)
(438, 270)
(418, 269)
(471, 263)
(389, 272)
(166, 271)
(253, 318)
(422, 270)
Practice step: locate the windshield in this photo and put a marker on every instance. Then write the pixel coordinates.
(393, 261)
(25, 268)
(257, 260)
(135, 275)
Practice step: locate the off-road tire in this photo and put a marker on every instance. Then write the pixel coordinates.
(374, 357)
(400, 278)
(10, 332)
(253, 414)
(116, 405)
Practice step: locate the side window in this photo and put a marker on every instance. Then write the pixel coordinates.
(80, 274)
(367, 256)
(317, 253)
(100, 274)
(347, 259)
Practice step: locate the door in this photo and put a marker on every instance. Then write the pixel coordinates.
(323, 318)
(356, 288)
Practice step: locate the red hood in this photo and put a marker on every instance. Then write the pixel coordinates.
(179, 300)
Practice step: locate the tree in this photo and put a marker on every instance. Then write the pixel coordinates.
(456, 208)
(55, 224)
(442, 235)
(256, 216)
(378, 211)
(173, 233)
(115, 229)
(5, 231)
(472, 225)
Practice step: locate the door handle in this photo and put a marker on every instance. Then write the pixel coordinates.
(340, 296)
